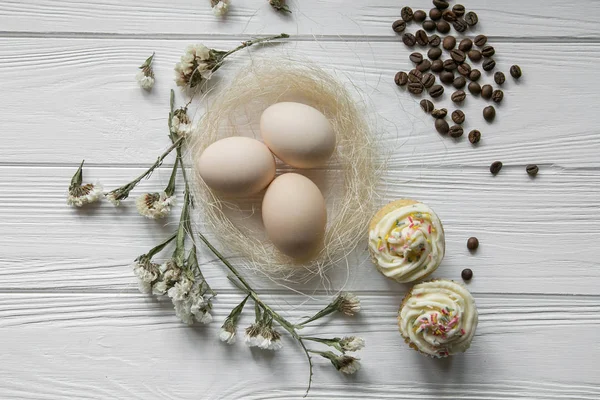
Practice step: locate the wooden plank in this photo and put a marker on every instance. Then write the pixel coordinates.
(98, 346)
(86, 104)
(537, 236)
(510, 18)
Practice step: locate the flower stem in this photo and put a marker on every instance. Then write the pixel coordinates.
(158, 249)
(249, 43)
(78, 177)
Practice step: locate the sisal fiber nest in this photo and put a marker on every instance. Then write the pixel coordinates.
(236, 111)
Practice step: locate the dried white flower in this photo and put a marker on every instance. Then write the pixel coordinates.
(227, 334)
(352, 343)
(181, 124)
(253, 336)
(111, 197)
(170, 274)
(147, 273)
(349, 365)
(348, 304)
(189, 302)
(196, 65)
(145, 76)
(220, 8)
(154, 205)
(84, 194)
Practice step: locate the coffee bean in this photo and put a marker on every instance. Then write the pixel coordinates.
(441, 4)
(464, 69)
(439, 113)
(416, 57)
(434, 40)
(443, 27)
(495, 167)
(497, 95)
(424, 66)
(474, 75)
(437, 66)
(449, 65)
(456, 131)
(488, 64)
(471, 18)
(436, 91)
(415, 76)
(409, 39)
(486, 91)
(532, 169)
(458, 117)
(488, 51)
(489, 113)
(428, 80)
(399, 26)
(465, 45)
(475, 55)
(459, 82)
(407, 14)
(429, 25)
(499, 78)
(458, 56)
(449, 16)
(459, 10)
(467, 274)
(474, 88)
(435, 14)
(401, 78)
(449, 42)
(447, 77)
(458, 96)
(460, 25)
(415, 87)
(426, 106)
(515, 71)
(422, 38)
(441, 126)
(480, 40)
(434, 53)
(474, 136)
(472, 243)
(419, 16)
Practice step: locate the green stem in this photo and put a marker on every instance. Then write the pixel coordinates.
(326, 311)
(170, 189)
(179, 253)
(158, 249)
(249, 43)
(78, 177)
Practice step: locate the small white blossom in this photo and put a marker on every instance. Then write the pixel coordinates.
(352, 343)
(181, 125)
(195, 66)
(190, 305)
(145, 82)
(227, 336)
(169, 275)
(111, 197)
(349, 365)
(348, 304)
(147, 273)
(84, 194)
(253, 336)
(221, 8)
(154, 205)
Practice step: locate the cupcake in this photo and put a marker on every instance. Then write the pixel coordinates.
(438, 318)
(406, 240)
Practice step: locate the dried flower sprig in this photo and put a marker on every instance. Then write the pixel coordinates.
(219, 7)
(145, 77)
(79, 194)
(279, 5)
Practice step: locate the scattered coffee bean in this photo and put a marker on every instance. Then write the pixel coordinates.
(495, 167)
(415, 76)
(436, 91)
(475, 55)
(406, 14)
(416, 57)
(415, 87)
(458, 56)
(447, 77)
(486, 91)
(488, 51)
(474, 75)
(424, 66)
(472, 243)
(532, 169)
(439, 113)
(428, 80)
(437, 66)
(488, 64)
(449, 65)
(458, 96)
(441, 126)
(515, 71)
(497, 95)
(429, 25)
(499, 78)
(419, 16)
(443, 27)
(401, 78)
(460, 25)
(434, 53)
(399, 26)
(459, 82)
(459, 10)
(474, 136)
(465, 45)
(441, 4)
(475, 88)
(449, 16)
(449, 42)
(467, 274)
(480, 40)
(422, 38)
(455, 131)
(435, 14)
(464, 69)
(434, 40)
(471, 18)
(409, 39)
(458, 117)
(427, 106)
(489, 113)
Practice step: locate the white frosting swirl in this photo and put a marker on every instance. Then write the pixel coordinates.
(439, 318)
(408, 243)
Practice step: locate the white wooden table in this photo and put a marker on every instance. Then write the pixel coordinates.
(72, 324)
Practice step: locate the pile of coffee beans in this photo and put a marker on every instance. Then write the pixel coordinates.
(455, 69)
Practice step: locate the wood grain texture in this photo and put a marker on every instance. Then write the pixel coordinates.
(357, 19)
(104, 116)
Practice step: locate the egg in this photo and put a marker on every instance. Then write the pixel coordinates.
(237, 166)
(298, 134)
(294, 215)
